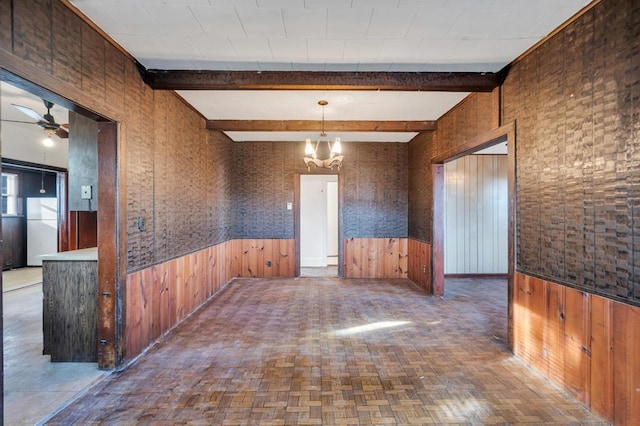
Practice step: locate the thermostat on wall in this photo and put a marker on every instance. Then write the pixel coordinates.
(85, 191)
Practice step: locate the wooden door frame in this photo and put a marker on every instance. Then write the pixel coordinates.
(297, 218)
(111, 225)
(486, 140)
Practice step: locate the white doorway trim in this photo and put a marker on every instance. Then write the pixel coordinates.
(318, 219)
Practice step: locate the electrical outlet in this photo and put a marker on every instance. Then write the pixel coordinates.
(85, 191)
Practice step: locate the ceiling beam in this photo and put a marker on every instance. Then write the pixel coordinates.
(323, 80)
(316, 125)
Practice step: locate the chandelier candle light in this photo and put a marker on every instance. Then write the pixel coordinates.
(311, 151)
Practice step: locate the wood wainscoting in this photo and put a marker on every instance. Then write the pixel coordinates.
(375, 258)
(584, 343)
(420, 264)
(159, 297)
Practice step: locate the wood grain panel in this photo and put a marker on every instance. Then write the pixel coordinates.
(602, 357)
(419, 264)
(236, 258)
(589, 345)
(14, 252)
(536, 295)
(555, 334)
(376, 258)
(576, 344)
(70, 310)
(626, 368)
(403, 257)
(523, 319)
(133, 345)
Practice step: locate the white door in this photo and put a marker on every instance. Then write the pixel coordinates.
(332, 222)
(315, 222)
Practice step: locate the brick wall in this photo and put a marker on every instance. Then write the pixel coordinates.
(263, 182)
(575, 102)
(375, 184)
(177, 173)
(374, 181)
(475, 115)
(420, 188)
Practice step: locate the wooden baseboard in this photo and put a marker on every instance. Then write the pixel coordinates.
(476, 275)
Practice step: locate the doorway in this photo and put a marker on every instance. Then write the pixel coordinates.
(475, 214)
(491, 138)
(18, 300)
(319, 241)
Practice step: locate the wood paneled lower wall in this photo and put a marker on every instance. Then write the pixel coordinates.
(388, 258)
(584, 343)
(419, 266)
(159, 297)
(375, 257)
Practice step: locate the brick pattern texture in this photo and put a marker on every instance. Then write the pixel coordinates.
(375, 189)
(474, 116)
(575, 102)
(420, 217)
(375, 182)
(177, 173)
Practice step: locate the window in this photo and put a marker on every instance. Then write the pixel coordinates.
(9, 194)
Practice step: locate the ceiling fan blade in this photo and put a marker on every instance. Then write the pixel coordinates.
(31, 113)
(18, 121)
(62, 133)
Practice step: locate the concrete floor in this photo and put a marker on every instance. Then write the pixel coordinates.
(34, 387)
(328, 351)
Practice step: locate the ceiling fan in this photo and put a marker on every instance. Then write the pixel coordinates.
(47, 122)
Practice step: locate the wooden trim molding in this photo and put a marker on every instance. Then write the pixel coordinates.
(437, 261)
(108, 247)
(476, 275)
(310, 125)
(317, 80)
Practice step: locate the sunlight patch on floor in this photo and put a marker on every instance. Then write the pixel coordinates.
(369, 327)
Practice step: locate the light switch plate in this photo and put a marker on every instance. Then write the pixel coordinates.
(85, 191)
(289, 206)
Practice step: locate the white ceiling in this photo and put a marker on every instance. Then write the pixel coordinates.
(326, 35)
(23, 141)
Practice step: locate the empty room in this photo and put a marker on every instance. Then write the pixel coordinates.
(254, 221)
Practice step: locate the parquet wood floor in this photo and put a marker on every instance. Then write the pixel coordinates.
(328, 351)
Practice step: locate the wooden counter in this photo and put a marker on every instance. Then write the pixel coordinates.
(70, 305)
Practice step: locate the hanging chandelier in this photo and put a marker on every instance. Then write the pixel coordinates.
(311, 150)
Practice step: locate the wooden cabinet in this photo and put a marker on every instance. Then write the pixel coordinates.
(70, 305)
(14, 245)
